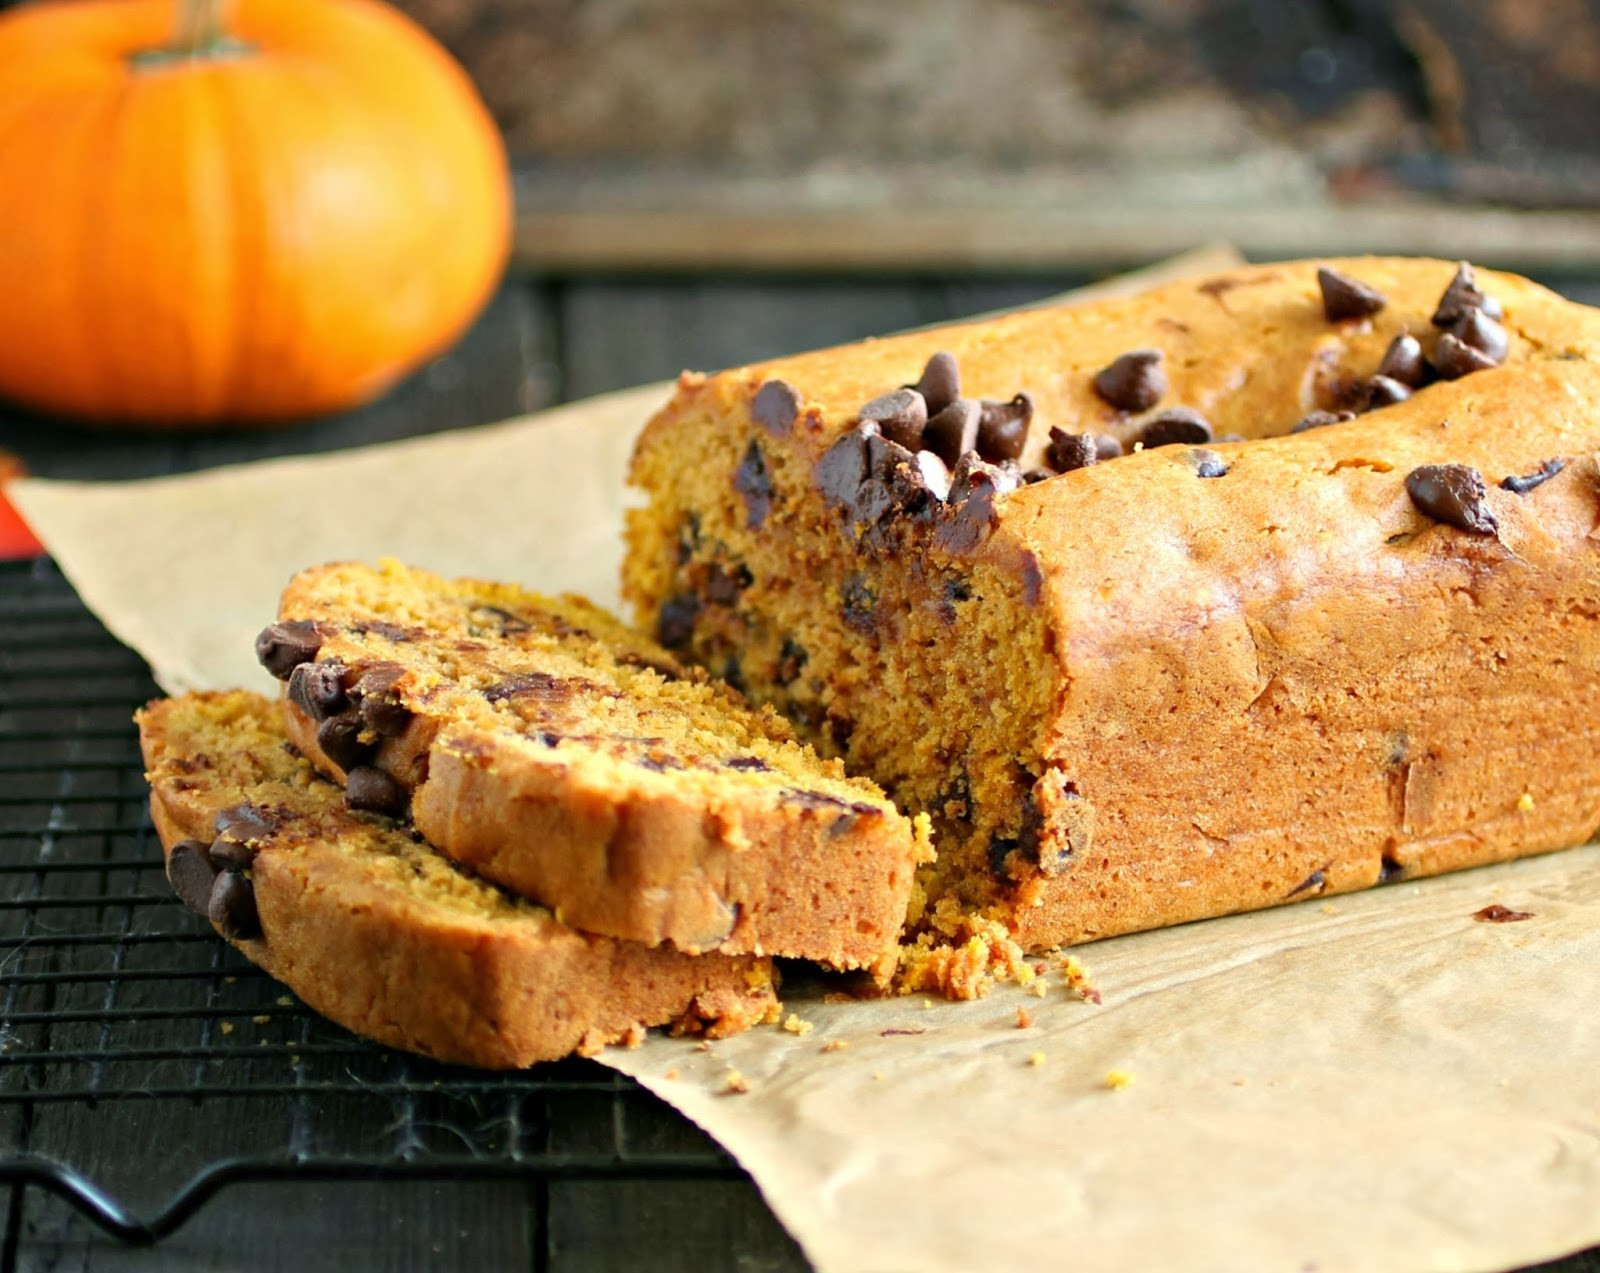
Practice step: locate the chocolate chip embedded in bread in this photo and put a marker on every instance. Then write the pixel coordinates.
(748, 764)
(791, 661)
(1462, 295)
(954, 431)
(1003, 428)
(1344, 297)
(752, 481)
(381, 708)
(244, 824)
(933, 473)
(675, 624)
(1321, 420)
(858, 603)
(1403, 361)
(1107, 447)
(776, 406)
(1181, 426)
(941, 382)
(1207, 463)
(282, 647)
(317, 689)
(191, 874)
(1525, 483)
(1477, 330)
(900, 416)
(1455, 359)
(370, 789)
(339, 737)
(232, 907)
(1068, 451)
(1383, 391)
(1032, 477)
(1133, 382)
(976, 487)
(1453, 494)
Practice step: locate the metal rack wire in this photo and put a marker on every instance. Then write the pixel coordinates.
(120, 1011)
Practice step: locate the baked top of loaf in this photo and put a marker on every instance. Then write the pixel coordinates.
(375, 929)
(1202, 658)
(547, 747)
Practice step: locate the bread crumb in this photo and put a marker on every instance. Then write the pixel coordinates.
(1024, 1018)
(703, 1046)
(1116, 1080)
(794, 1025)
(1078, 980)
(670, 1074)
(1525, 802)
(1328, 908)
(633, 1036)
(835, 1045)
(1036, 1059)
(1039, 989)
(226, 1027)
(737, 1083)
(261, 1018)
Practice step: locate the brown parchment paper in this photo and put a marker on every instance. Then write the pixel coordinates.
(1373, 1082)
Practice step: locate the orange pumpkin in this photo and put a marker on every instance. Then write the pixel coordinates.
(268, 217)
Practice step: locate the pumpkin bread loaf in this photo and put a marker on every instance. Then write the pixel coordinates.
(1247, 590)
(377, 930)
(542, 744)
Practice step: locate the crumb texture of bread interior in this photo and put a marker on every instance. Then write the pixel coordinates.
(1180, 682)
(383, 934)
(561, 754)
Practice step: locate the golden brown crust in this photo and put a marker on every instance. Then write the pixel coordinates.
(380, 934)
(1143, 695)
(644, 808)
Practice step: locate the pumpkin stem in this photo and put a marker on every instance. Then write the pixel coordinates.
(199, 27)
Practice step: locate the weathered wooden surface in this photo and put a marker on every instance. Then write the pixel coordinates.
(1018, 134)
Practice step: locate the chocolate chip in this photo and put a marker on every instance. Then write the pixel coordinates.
(776, 407)
(822, 802)
(1463, 295)
(1317, 881)
(1003, 427)
(748, 764)
(843, 467)
(230, 855)
(1385, 392)
(791, 659)
(369, 788)
(191, 874)
(243, 824)
(858, 603)
(1453, 494)
(232, 907)
(1344, 297)
(1498, 914)
(976, 486)
(384, 714)
(941, 382)
(1133, 382)
(723, 586)
(1321, 420)
(282, 647)
(1107, 447)
(900, 416)
(539, 686)
(1068, 451)
(1180, 426)
(496, 621)
(1522, 485)
(954, 431)
(339, 737)
(1455, 359)
(752, 481)
(317, 689)
(1032, 477)
(1390, 869)
(675, 624)
(733, 673)
(999, 852)
(933, 473)
(1403, 361)
(1207, 463)
(1477, 330)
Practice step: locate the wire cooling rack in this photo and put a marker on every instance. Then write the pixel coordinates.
(121, 1013)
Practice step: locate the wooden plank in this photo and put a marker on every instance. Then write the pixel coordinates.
(615, 334)
(922, 241)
